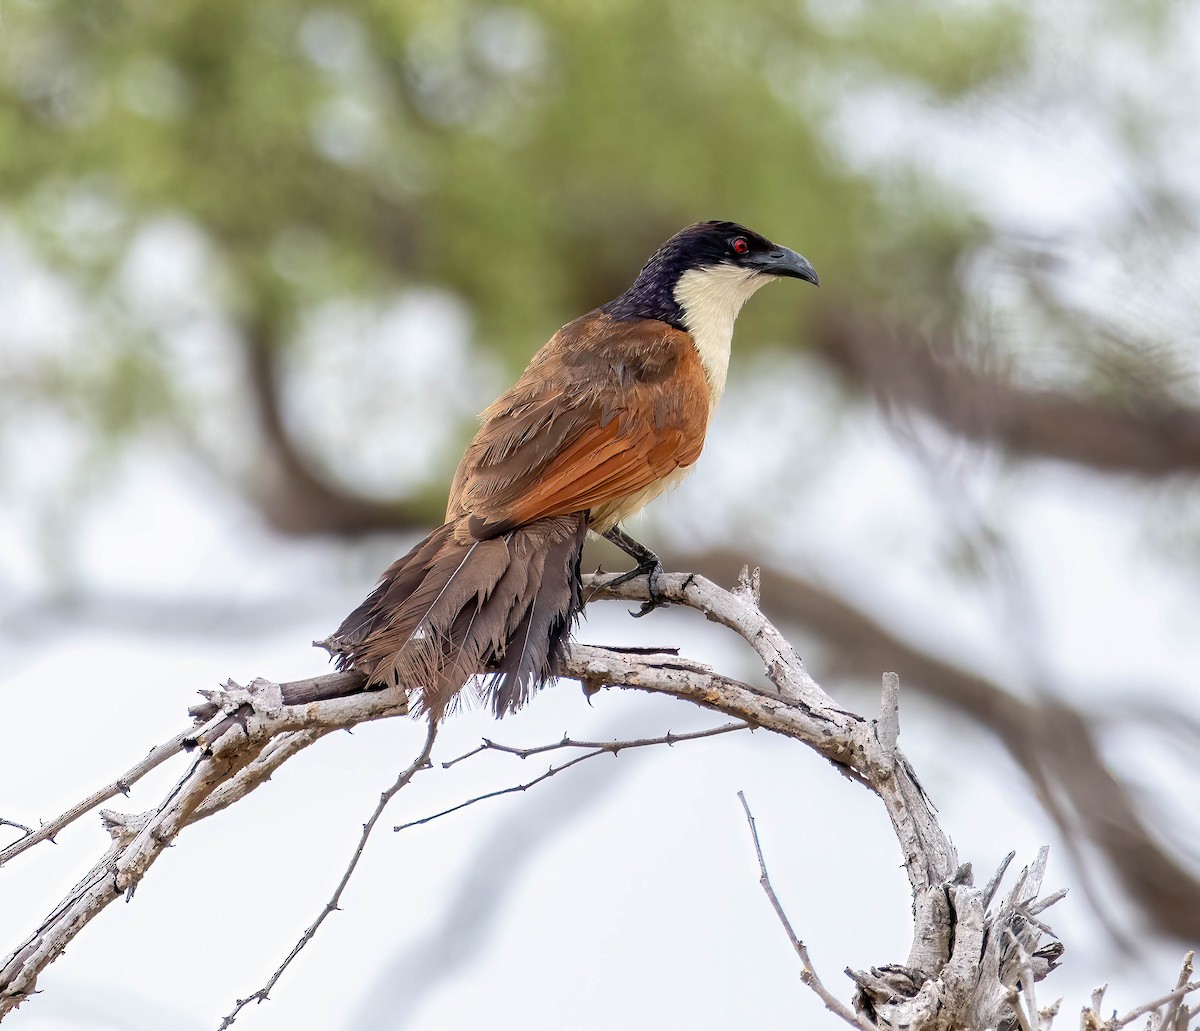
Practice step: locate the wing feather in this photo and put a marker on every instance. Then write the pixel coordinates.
(606, 409)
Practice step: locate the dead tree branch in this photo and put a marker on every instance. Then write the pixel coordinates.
(158, 755)
(1055, 745)
(1167, 1013)
(226, 746)
(967, 965)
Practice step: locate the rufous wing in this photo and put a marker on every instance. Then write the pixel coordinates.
(605, 410)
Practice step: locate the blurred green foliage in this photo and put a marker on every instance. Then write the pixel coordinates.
(526, 156)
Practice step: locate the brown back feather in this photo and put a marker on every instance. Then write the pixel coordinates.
(605, 409)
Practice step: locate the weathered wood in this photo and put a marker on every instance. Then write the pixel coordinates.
(972, 964)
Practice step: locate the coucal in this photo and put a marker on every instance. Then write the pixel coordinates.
(609, 414)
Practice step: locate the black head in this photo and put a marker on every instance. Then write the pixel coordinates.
(703, 245)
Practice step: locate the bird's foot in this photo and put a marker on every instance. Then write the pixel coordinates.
(648, 565)
(657, 599)
(651, 571)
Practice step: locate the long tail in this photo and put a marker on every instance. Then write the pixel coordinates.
(450, 609)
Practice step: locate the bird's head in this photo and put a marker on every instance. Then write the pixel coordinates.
(705, 273)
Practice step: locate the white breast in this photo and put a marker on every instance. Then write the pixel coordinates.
(711, 298)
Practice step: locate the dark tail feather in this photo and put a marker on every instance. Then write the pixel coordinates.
(450, 609)
(539, 637)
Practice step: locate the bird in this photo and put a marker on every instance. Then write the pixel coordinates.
(611, 412)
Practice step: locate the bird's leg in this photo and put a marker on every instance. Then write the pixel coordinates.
(648, 564)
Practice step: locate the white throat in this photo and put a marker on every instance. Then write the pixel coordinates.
(711, 299)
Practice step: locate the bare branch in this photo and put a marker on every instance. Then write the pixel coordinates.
(989, 892)
(809, 974)
(1089, 1018)
(421, 762)
(245, 723)
(962, 966)
(1023, 997)
(597, 748)
(1054, 744)
(1171, 997)
(259, 770)
(669, 738)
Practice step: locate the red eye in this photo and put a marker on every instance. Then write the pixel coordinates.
(740, 246)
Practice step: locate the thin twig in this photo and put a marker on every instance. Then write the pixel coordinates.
(419, 763)
(13, 823)
(669, 738)
(598, 748)
(466, 755)
(808, 975)
(511, 790)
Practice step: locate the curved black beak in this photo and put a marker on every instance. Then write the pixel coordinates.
(782, 261)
